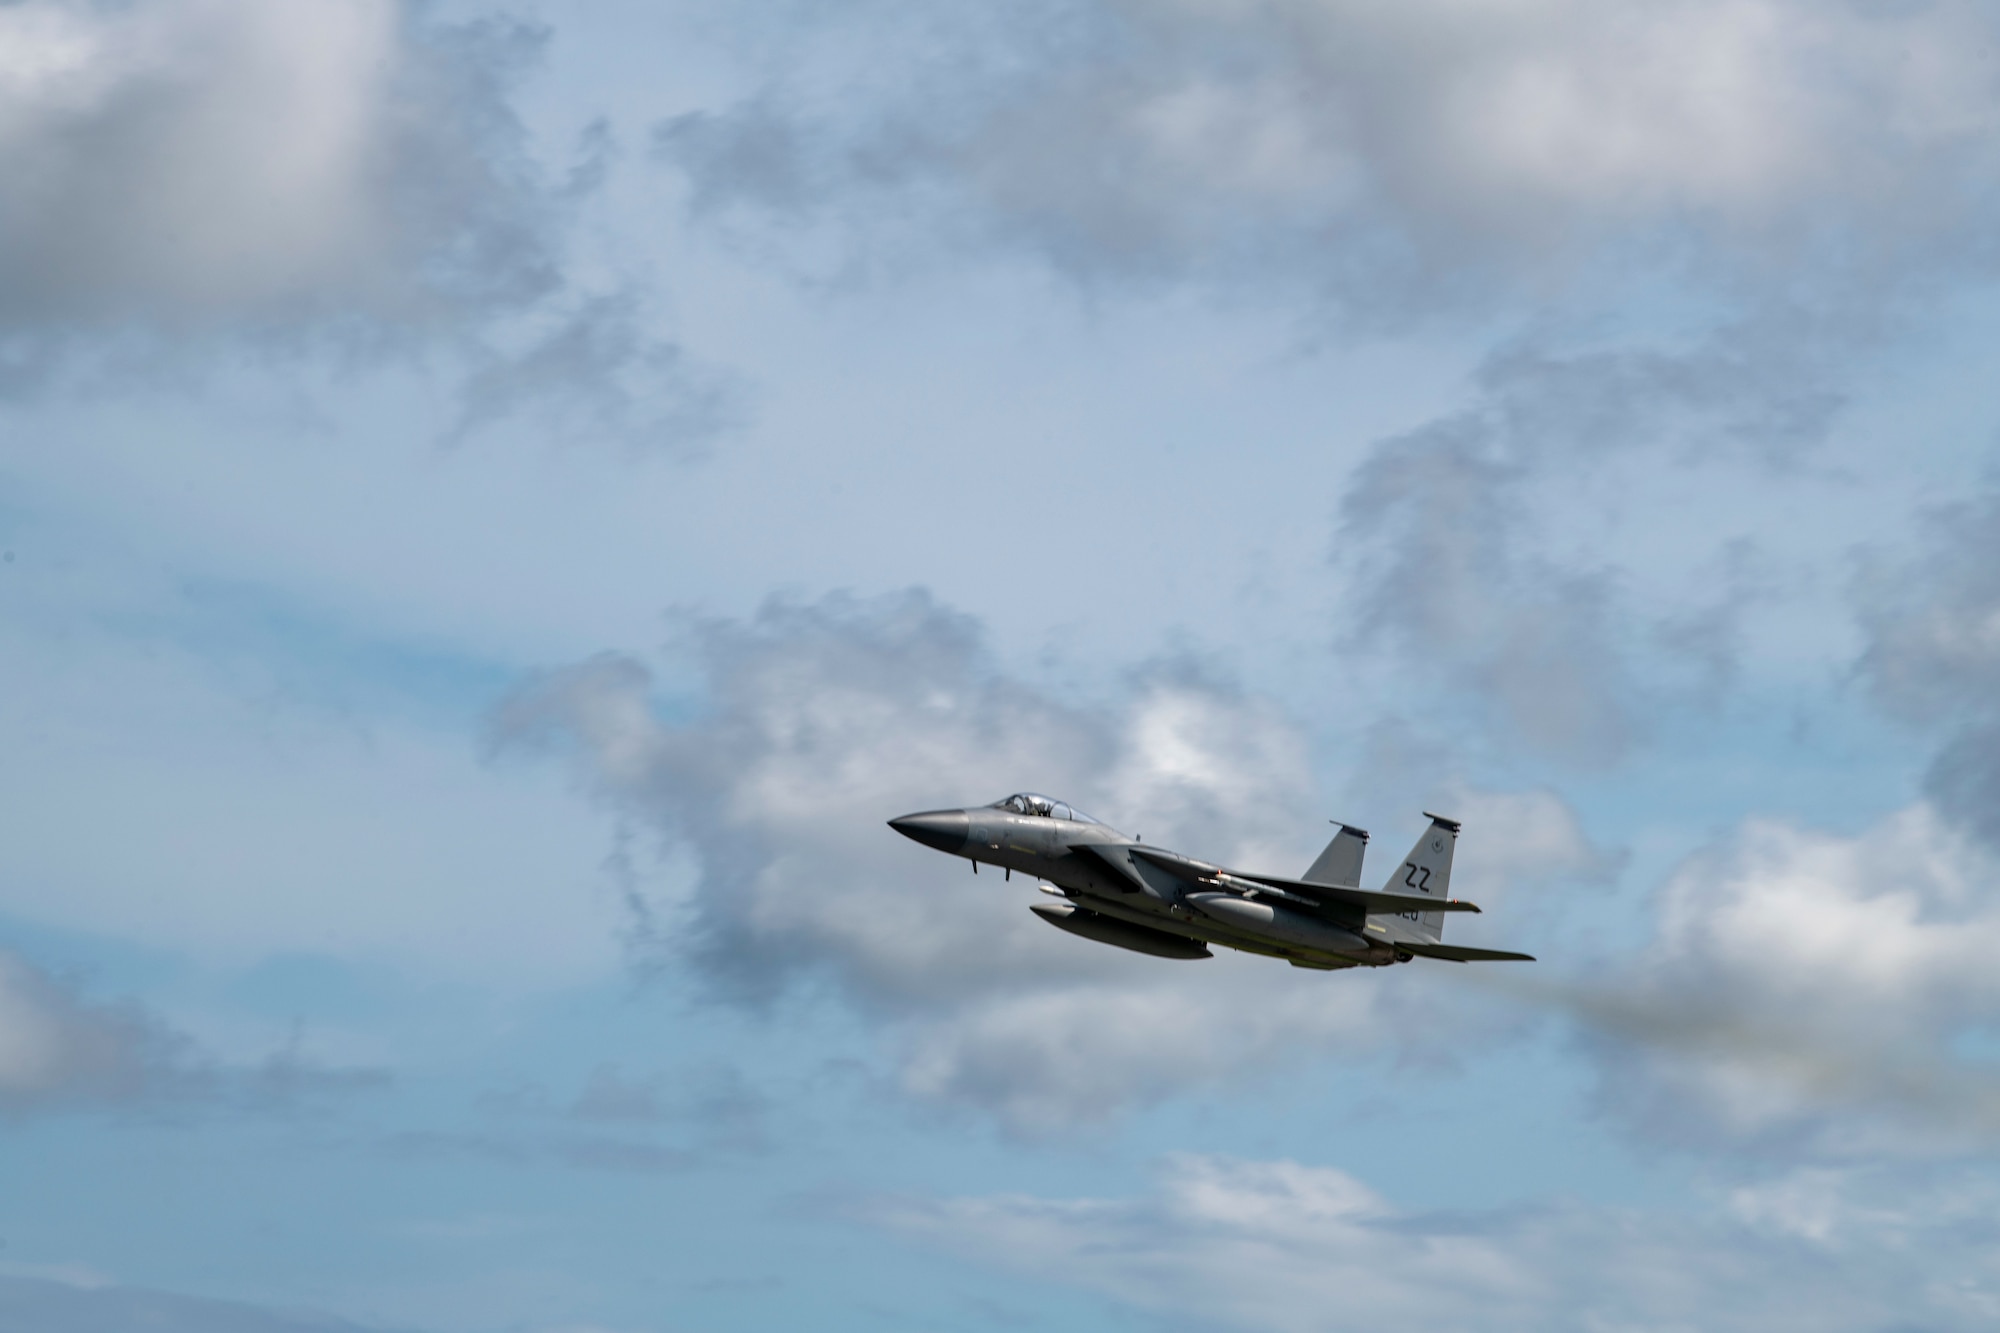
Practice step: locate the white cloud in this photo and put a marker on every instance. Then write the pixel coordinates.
(1812, 993)
(1522, 840)
(1561, 110)
(188, 180)
(1813, 1203)
(1391, 150)
(57, 1048)
(60, 1049)
(822, 721)
(1276, 1245)
(193, 162)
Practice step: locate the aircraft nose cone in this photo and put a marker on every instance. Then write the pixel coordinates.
(942, 829)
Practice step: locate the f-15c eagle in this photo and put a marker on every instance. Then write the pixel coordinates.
(1117, 890)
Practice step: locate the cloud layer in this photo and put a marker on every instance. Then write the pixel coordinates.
(62, 1050)
(1451, 535)
(187, 163)
(1396, 158)
(58, 1048)
(1932, 620)
(822, 720)
(1807, 994)
(192, 180)
(1221, 1242)
(1794, 992)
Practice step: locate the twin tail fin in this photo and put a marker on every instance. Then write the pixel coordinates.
(1340, 864)
(1427, 870)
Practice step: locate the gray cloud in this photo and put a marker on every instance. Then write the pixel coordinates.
(1743, 178)
(819, 721)
(58, 1048)
(1431, 533)
(1225, 1243)
(597, 373)
(1398, 159)
(181, 165)
(1931, 617)
(193, 181)
(1964, 781)
(1761, 390)
(1440, 538)
(61, 1050)
(1804, 995)
(1709, 638)
(827, 719)
(1397, 164)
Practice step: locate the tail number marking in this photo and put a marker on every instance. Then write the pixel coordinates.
(1412, 880)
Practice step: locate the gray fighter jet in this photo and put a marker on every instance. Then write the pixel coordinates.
(1117, 890)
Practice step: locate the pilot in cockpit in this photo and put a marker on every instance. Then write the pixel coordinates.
(1028, 803)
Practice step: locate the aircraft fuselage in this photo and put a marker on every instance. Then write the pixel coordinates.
(1117, 890)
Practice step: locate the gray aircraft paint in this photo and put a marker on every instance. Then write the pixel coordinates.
(1340, 863)
(1121, 892)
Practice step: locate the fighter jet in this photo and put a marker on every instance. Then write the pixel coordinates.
(1117, 890)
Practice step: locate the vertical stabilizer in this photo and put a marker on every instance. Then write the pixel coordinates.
(1427, 870)
(1340, 863)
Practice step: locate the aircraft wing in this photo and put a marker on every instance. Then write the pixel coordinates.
(1454, 953)
(1364, 900)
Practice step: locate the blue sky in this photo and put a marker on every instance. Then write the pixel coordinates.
(499, 507)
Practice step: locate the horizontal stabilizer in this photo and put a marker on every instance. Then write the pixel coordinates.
(1374, 902)
(1454, 953)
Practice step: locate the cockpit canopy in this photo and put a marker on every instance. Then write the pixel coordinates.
(1028, 803)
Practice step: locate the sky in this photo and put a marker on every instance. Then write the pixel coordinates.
(498, 507)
